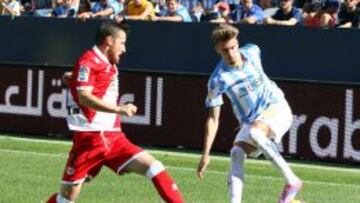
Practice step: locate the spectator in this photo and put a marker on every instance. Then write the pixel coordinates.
(248, 12)
(197, 12)
(10, 7)
(63, 9)
(103, 9)
(159, 7)
(190, 4)
(310, 5)
(207, 9)
(325, 17)
(174, 12)
(84, 6)
(137, 10)
(269, 7)
(286, 15)
(42, 8)
(221, 13)
(197, 8)
(349, 15)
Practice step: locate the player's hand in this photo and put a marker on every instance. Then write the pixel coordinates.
(204, 162)
(127, 110)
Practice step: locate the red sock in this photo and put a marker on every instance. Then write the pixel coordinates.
(52, 199)
(167, 188)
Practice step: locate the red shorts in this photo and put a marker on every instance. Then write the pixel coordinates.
(92, 150)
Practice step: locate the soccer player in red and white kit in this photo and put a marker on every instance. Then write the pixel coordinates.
(95, 119)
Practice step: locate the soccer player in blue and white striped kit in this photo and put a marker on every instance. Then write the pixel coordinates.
(258, 104)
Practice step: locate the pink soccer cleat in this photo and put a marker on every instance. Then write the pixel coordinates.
(290, 192)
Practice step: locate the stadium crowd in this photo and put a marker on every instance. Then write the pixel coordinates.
(321, 13)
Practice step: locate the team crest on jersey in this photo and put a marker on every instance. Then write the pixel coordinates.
(84, 73)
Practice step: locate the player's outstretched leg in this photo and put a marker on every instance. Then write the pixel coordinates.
(236, 174)
(163, 183)
(147, 165)
(290, 191)
(294, 184)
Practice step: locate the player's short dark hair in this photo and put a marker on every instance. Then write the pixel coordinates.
(223, 33)
(109, 28)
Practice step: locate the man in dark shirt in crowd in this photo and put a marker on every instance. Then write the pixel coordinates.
(287, 14)
(349, 15)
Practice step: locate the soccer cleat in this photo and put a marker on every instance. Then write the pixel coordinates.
(290, 192)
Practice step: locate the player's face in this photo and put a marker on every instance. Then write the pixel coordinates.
(229, 51)
(117, 47)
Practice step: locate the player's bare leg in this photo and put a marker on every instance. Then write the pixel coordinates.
(147, 165)
(236, 174)
(68, 194)
(260, 134)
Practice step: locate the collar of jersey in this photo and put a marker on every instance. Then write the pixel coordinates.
(100, 54)
(245, 60)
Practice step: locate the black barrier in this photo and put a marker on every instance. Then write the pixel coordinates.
(291, 53)
(171, 112)
(171, 105)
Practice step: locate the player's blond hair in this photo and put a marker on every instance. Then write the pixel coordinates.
(223, 33)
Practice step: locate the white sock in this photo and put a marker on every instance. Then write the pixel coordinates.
(236, 174)
(155, 168)
(61, 199)
(270, 151)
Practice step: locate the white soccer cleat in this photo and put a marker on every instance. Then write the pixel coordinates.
(290, 191)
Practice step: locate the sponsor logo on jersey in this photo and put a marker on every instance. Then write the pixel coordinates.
(84, 73)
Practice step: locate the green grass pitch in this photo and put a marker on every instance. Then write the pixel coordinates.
(31, 169)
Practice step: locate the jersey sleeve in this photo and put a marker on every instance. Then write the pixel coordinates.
(214, 95)
(253, 50)
(85, 76)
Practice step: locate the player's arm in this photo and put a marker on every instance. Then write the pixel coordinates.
(86, 98)
(211, 127)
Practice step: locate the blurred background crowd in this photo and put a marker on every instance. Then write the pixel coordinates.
(320, 13)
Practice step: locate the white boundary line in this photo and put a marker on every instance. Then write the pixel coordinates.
(185, 154)
(186, 169)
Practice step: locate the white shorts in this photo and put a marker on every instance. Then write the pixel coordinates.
(278, 117)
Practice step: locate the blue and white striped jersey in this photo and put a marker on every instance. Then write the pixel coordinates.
(248, 88)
